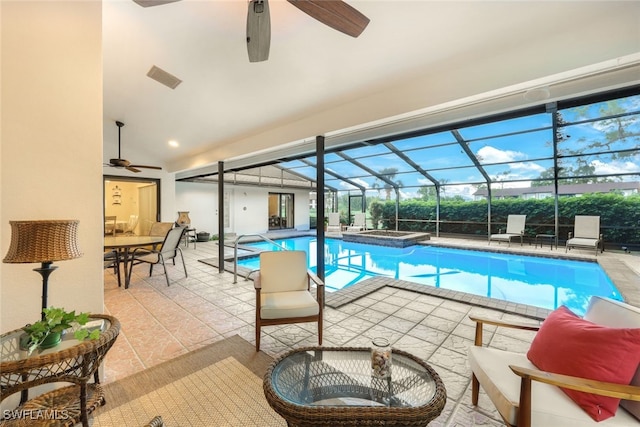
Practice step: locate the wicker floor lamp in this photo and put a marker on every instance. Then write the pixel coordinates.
(44, 242)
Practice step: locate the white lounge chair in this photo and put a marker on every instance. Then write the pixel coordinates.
(586, 233)
(334, 222)
(359, 222)
(515, 228)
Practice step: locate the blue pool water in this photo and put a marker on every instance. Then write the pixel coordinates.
(541, 282)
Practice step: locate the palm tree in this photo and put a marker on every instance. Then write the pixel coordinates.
(390, 174)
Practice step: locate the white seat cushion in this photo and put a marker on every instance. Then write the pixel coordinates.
(550, 405)
(278, 305)
(580, 241)
(503, 236)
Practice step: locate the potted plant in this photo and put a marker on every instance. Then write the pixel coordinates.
(47, 333)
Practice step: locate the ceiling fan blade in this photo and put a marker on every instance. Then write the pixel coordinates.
(146, 167)
(132, 169)
(258, 30)
(334, 13)
(149, 3)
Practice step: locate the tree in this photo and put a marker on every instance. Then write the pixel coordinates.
(427, 192)
(612, 138)
(390, 174)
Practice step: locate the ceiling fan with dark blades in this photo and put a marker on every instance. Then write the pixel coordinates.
(334, 13)
(122, 163)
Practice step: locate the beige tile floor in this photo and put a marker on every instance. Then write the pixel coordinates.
(160, 322)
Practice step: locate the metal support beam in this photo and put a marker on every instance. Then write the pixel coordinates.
(320, 209)
(221, 209)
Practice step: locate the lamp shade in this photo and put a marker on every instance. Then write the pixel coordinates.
(43, 241)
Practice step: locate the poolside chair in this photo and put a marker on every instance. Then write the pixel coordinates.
(168, 251)
(586, 234)
(359, 222)
(283, 292)
(334, 222)
(515, 228)
(596, 354)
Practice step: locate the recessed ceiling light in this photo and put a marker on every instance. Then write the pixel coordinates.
(174, 143)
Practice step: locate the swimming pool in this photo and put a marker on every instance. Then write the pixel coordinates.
(541, 282)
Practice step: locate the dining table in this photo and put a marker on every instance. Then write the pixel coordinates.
(125, 245)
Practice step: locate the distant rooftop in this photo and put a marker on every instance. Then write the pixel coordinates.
(631, 187)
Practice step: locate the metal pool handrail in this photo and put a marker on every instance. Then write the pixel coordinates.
(235, 253)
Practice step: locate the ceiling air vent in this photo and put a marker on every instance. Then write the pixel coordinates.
(163, 77)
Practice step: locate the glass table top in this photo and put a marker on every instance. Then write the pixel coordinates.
(343, 377)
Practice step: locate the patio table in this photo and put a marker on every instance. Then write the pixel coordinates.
(124, 244)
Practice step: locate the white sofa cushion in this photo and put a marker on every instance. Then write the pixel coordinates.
(550, 406)
(614, 314)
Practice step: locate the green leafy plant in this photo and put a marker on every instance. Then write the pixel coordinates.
(57, 320)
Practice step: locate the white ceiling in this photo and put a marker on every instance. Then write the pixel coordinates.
(413, 55)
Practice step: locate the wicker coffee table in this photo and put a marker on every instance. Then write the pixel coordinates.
(323, 386)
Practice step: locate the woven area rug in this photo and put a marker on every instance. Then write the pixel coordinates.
(218, 385)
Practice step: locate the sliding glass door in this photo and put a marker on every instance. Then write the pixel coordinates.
(281, 214)
(135, 202)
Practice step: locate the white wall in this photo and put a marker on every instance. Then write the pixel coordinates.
(249, 207)
(51, 147)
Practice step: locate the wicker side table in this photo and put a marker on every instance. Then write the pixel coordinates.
(71, 361)
(322, 386)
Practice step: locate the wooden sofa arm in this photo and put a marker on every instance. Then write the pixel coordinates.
(603, 388)
(480, 321)
(621, 391)
(315, 279)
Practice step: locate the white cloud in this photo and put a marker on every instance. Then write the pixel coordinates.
(602, 168)
(488, 154)
(527, 167)
(344, 185)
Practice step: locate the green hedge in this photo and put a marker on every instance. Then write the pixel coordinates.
(619, 216)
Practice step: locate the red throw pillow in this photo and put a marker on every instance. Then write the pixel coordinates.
(567, 344)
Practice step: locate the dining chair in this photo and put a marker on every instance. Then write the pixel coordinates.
(131, 225)
(112, 260)
(159, 229)
(168, 251)
(110, 225)
(283, 292)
